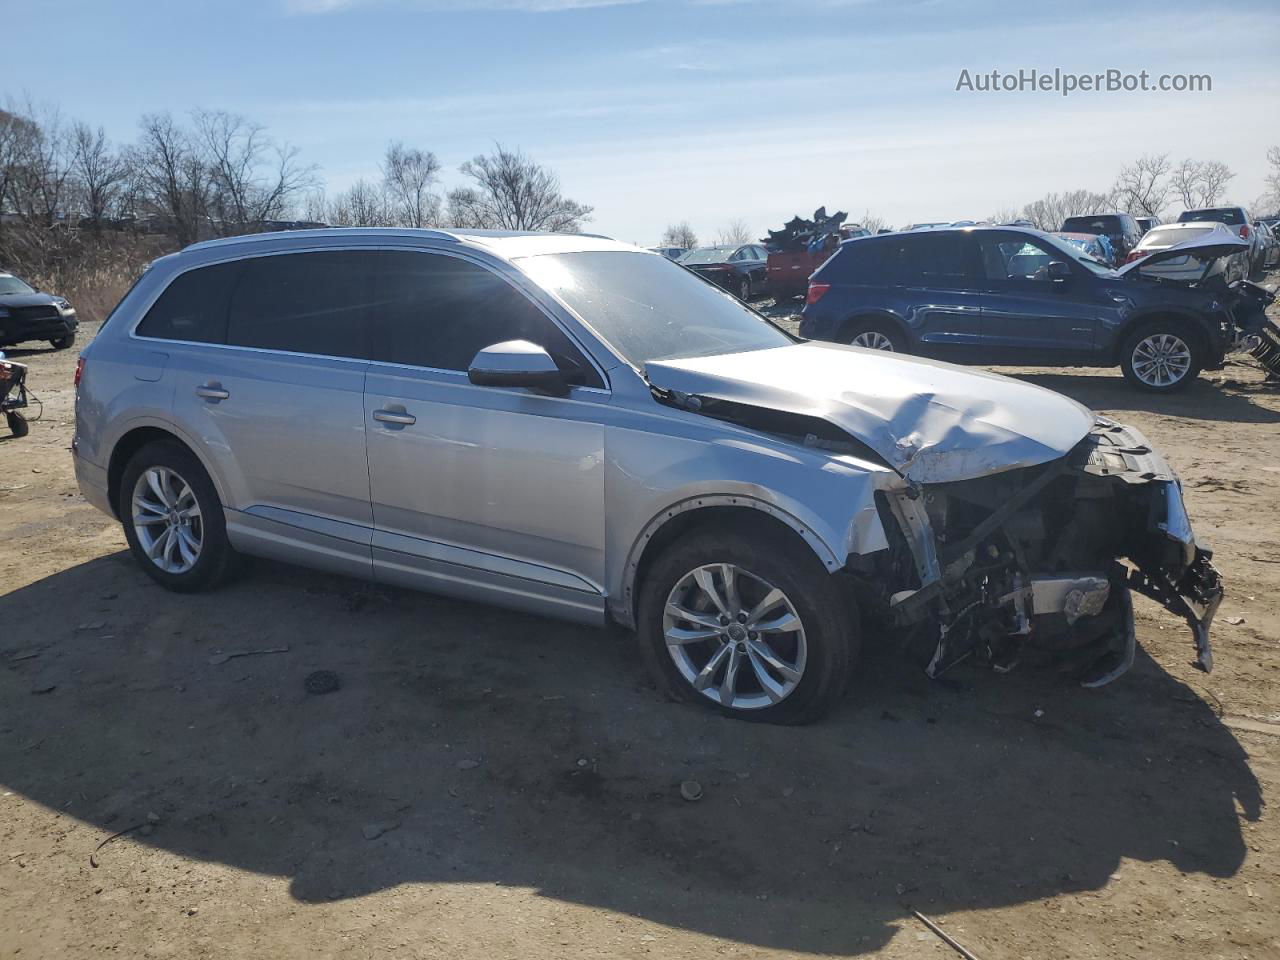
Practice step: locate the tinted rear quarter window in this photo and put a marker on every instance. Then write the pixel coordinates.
(304, 303)
(861, 262)
(194, 306)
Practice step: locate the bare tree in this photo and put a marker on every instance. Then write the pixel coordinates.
(1214, 177)
(680, 235)
(1143, 186)
(873, 222)
(1269, 202)
(363, 204)
(512, 192)
(733, 233)
(16, 132)
(99, 170)
(38, 177)
(409, 174)
(1049, 211)
(252, 178)
(175, 180)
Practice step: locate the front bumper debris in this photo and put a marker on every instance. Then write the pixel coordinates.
(1041, 563)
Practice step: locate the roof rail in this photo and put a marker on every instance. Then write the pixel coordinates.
(322, 232)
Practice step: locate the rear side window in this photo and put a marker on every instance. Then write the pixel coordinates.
(304, 303)
(861, 263)
(440, 311)
(193, 307)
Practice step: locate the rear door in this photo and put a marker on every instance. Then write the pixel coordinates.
(275, 397)
(484, 492)
(940, 287)
(1029, 317)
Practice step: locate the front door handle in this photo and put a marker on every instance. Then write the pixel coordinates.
(395, 416)
(212, 391)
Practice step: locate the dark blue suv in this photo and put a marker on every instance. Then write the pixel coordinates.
(1008, 295)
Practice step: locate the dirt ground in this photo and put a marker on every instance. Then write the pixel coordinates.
(489, 785)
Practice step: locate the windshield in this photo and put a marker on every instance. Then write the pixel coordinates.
(708, 255)
(1228, 215)
(1077, 254)
(648, 308)
(11, 284)
(1093, 224)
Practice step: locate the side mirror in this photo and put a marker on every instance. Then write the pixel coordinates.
(1059, 271)
(517, 363)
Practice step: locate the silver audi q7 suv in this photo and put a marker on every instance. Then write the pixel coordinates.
(576, 427)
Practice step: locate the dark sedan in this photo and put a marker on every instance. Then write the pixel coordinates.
(26, 314)
(739, 269)
(1004, 295)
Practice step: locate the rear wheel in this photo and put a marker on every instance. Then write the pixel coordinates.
(173, 519)
(753, 626)
(1161, 356)
(744, 289)
(874, 334)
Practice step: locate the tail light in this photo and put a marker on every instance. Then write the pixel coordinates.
(1244, 232)
(816, 293)
(79, 371)
(1134, 255)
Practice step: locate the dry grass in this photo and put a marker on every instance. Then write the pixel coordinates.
(91, 271)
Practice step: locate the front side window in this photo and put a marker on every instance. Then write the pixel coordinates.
(439, 311)
(304, 303)
(647, 308)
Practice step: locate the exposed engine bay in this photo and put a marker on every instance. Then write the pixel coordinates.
(1039, 563)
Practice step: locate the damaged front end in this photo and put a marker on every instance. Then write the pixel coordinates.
(1038, 563)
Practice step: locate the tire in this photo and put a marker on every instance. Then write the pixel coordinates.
(62, 343)
(18, 425)
(875, 334)
(823, 649)
(744, 289)
(214, 556)
(1180, 346)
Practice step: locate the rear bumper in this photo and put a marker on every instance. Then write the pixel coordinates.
(92, 480)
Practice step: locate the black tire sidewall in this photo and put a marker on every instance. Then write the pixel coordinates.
(1141, 332)
(216, 553)
(829, 620)
(62, 343)
(18, 425)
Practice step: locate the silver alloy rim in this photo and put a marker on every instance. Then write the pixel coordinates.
(736, 638)
(167, 521)
(1161, 360)
(873, 340)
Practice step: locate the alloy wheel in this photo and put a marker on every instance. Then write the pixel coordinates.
(736, 638)
(167, 520)
(873, 340)
(1161, 360)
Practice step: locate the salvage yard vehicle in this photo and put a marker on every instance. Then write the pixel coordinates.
(1004, 295)
(1120, 229)
(739, 269)
(1093, 244)
(1238, 219)
(27, 314)
(572, 426)
(1186, 267)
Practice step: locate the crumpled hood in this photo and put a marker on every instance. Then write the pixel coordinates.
(933, 422)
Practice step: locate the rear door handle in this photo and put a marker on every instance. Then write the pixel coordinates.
(395, 416)
(212, 391)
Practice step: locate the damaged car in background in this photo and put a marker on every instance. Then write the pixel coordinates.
(604, 435)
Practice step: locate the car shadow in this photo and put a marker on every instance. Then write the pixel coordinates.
(472, 745)
(1234, 401)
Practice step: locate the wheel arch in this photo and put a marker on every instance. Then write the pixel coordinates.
(699, 513)
(844, 331)
(134, 440)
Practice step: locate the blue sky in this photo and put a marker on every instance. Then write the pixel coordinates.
(655, 111)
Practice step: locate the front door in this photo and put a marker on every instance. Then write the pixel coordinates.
(1029, 316)
(490, 493)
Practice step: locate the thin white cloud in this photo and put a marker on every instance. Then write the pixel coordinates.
(526, 6)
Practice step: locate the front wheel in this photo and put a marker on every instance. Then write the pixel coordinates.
(1161, 357)
(752, 626)
(62, 343)
(173, 519)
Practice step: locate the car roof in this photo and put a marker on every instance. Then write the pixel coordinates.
(505, 243)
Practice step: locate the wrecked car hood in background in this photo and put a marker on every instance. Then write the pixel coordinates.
(1220, 242)
(932, 422)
